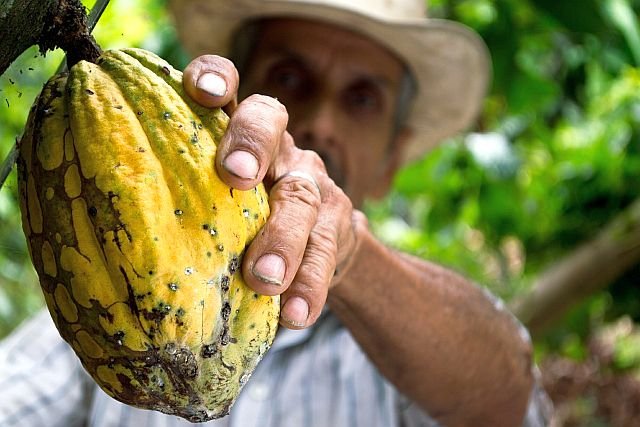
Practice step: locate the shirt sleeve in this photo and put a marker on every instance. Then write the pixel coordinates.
(41, 380)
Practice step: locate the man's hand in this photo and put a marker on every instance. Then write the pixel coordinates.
(310, 231)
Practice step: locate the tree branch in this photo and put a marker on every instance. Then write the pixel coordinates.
(21, 25)
(47, 23)
(590, 268)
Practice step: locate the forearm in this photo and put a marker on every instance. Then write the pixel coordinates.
(435, 336)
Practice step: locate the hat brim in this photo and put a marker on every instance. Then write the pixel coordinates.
(449, 61)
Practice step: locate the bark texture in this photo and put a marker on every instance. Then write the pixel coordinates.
(47, 23)
(21, 24)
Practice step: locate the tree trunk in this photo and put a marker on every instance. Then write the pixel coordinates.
(21, 24)
(47, 23)
(589, 268)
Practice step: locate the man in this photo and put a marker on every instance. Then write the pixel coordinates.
(367, 85)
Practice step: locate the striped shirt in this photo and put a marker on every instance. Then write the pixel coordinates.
(316, 377)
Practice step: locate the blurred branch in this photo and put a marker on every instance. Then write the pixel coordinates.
(591, 267)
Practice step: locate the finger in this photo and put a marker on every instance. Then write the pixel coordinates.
(272, 259)
(330, 238)
(211, 81)
(254, 134)
(349, 245)
(303, 300)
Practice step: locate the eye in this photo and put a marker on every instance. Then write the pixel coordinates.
(364, 98)
(287, 80)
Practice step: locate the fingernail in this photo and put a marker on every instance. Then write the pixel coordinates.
(242, 164)
(212, 84)
(295, 312)
(270, 268)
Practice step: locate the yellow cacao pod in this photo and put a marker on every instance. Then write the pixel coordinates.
(136, 240)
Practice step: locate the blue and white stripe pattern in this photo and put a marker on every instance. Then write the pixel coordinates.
(317, 377)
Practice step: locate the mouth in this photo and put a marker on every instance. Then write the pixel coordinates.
(335, 169)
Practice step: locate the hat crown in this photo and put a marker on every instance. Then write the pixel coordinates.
(383, 9)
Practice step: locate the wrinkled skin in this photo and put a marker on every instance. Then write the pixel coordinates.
(454, 353)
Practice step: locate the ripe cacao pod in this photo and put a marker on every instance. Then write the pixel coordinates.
(136, 240)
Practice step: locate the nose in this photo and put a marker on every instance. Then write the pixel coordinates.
(316, 128)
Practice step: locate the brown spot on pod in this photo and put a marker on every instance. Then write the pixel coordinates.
(226, 311)
(208, 350)
(224, 283)
(118, 337)
(224, 337)
(234, 264)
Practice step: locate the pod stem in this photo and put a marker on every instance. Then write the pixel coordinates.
(68, 30)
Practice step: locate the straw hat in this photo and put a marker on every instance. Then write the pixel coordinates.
(449, 62)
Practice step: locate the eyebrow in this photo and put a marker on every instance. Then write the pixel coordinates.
(379, 80)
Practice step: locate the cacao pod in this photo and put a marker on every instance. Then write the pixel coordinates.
(137, 242)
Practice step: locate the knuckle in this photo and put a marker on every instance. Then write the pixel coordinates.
(297, 192)
(335, 195)
(268, 102)
(253, 132)
(322, 243)
(320, 261)
(208, 63)
(313, 159)
(214, 61)
(287, 144)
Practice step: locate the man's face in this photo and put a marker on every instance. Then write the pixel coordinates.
(340, 90)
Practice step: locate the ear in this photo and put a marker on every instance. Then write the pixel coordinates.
(397, 149)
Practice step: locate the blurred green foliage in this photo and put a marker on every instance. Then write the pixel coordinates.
(554, 156)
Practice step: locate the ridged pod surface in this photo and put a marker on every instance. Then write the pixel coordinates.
(136, 240)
